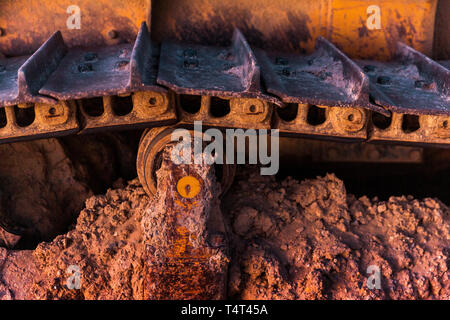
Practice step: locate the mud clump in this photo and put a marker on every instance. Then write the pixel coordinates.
(105, 248)
(310, 240)
(100, 258)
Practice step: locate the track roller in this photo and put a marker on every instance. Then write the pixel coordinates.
(152, 143)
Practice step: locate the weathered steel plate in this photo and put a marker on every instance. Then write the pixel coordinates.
(111, 70)
(327, 77)
(93, 73)
(24, 76)
(9, 90)
(412, 84)
(215, 71)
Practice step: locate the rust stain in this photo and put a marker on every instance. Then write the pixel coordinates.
(183, 268)
(363, 31)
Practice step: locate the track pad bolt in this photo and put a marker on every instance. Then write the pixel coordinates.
(112, 34)
(85, 67)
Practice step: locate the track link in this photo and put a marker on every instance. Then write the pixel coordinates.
(59, 91)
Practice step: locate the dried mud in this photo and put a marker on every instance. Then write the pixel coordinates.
(310, 240)
(288, 239)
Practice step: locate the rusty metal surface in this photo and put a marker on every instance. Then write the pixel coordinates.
(353, 26)
(412, 83)
(26, 24)
(215, 71)
(290, 26)
(327, 77)
(9, 90)
(429, 129)
(152, 106)
(242, 113)
(338, 123)
(151, 145)
(49, 121)
(148, 109)
(191, 244)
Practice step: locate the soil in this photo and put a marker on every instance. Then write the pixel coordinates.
(288, 239)
(312, 240)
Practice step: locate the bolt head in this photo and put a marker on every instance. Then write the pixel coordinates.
(85, 67)
(112, 34)
(191, 63)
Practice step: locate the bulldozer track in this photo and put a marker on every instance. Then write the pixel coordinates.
(59, 91)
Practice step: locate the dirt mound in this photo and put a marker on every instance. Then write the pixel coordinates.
(289, 239)
(310, 240)
(106, 247)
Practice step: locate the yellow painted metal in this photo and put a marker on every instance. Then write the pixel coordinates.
(284, 25)
(26, 24)
(371, 29)
(361, 28)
